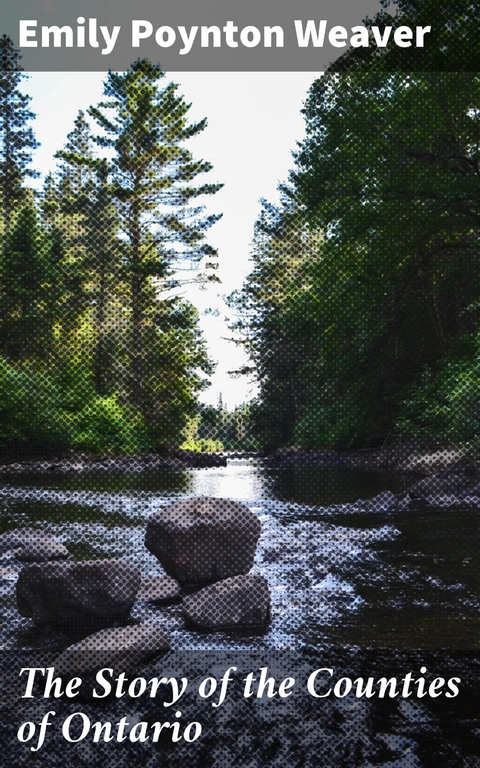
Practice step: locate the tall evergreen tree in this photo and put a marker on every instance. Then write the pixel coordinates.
(16, 137)
(388, 172)
(146, 127)
(22, 310)
(76, 168)
(271, 316)
(71, 201)
(92, 228)
(389, 169)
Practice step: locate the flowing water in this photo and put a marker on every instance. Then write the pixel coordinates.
(337, 575)
(349, 589)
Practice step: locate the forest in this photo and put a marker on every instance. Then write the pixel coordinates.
(98, 351)
(360, 313)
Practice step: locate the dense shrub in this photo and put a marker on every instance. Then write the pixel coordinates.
(30, 418)
(445, 401)
(104, 424)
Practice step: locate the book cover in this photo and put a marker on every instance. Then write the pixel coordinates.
(239, 383)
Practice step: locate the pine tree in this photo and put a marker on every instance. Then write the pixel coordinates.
(75, 170)
(104, 254)
(16, 137)
(73, 193)
(146, 126)
(92, 226)
(24, 274)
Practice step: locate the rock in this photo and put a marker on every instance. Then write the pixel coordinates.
(236, 603)
(384, 502)
(424, 462)
(38, 550)
(449, 500)
(436, 485)
(94, 592)
(159, 589)
(17, 538)
(443, 500)
(203, 540)
(404, 502)
(457, 485)
(23, 537)
(419, 503)
(31, 545)
(472, 501)
(8, 576)
(123, 649)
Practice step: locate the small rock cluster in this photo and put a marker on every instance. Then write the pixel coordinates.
(456, 486)
(206, 546)
(211, 543)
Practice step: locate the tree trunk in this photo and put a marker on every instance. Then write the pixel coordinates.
(137, 309)
(100, 350)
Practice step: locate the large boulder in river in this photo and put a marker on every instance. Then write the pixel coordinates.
(91, 593)
(202, 540)
(238, 603)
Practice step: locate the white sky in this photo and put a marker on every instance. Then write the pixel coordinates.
(254, 122)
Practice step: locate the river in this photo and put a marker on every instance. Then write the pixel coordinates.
(361, 594)
(337, 575)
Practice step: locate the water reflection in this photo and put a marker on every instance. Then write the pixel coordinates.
(329, 485)
(242, 480)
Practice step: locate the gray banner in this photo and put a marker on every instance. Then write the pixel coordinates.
(208, 35)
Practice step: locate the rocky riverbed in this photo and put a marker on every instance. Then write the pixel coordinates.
(396, 569)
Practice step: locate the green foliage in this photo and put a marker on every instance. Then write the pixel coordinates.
(88, 323)
(368, 271)
(27, 288)
(16, 136)
(30, 417)
(389, 172)
(445, 402)
(273, 316)
(229, 430)
(39, 415)
(204, 445)
(175, 357)
(451, 45)
(103, 425)
(90, 222)
(152, 173)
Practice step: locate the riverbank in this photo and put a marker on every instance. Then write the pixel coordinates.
(440, 477)
(436, 478)
(129, 464)
(403, 458)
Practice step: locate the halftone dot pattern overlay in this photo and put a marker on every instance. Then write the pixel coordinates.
(291, 583)
(203, 540)
(315, 722)
(88, 592)
(240, 601)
